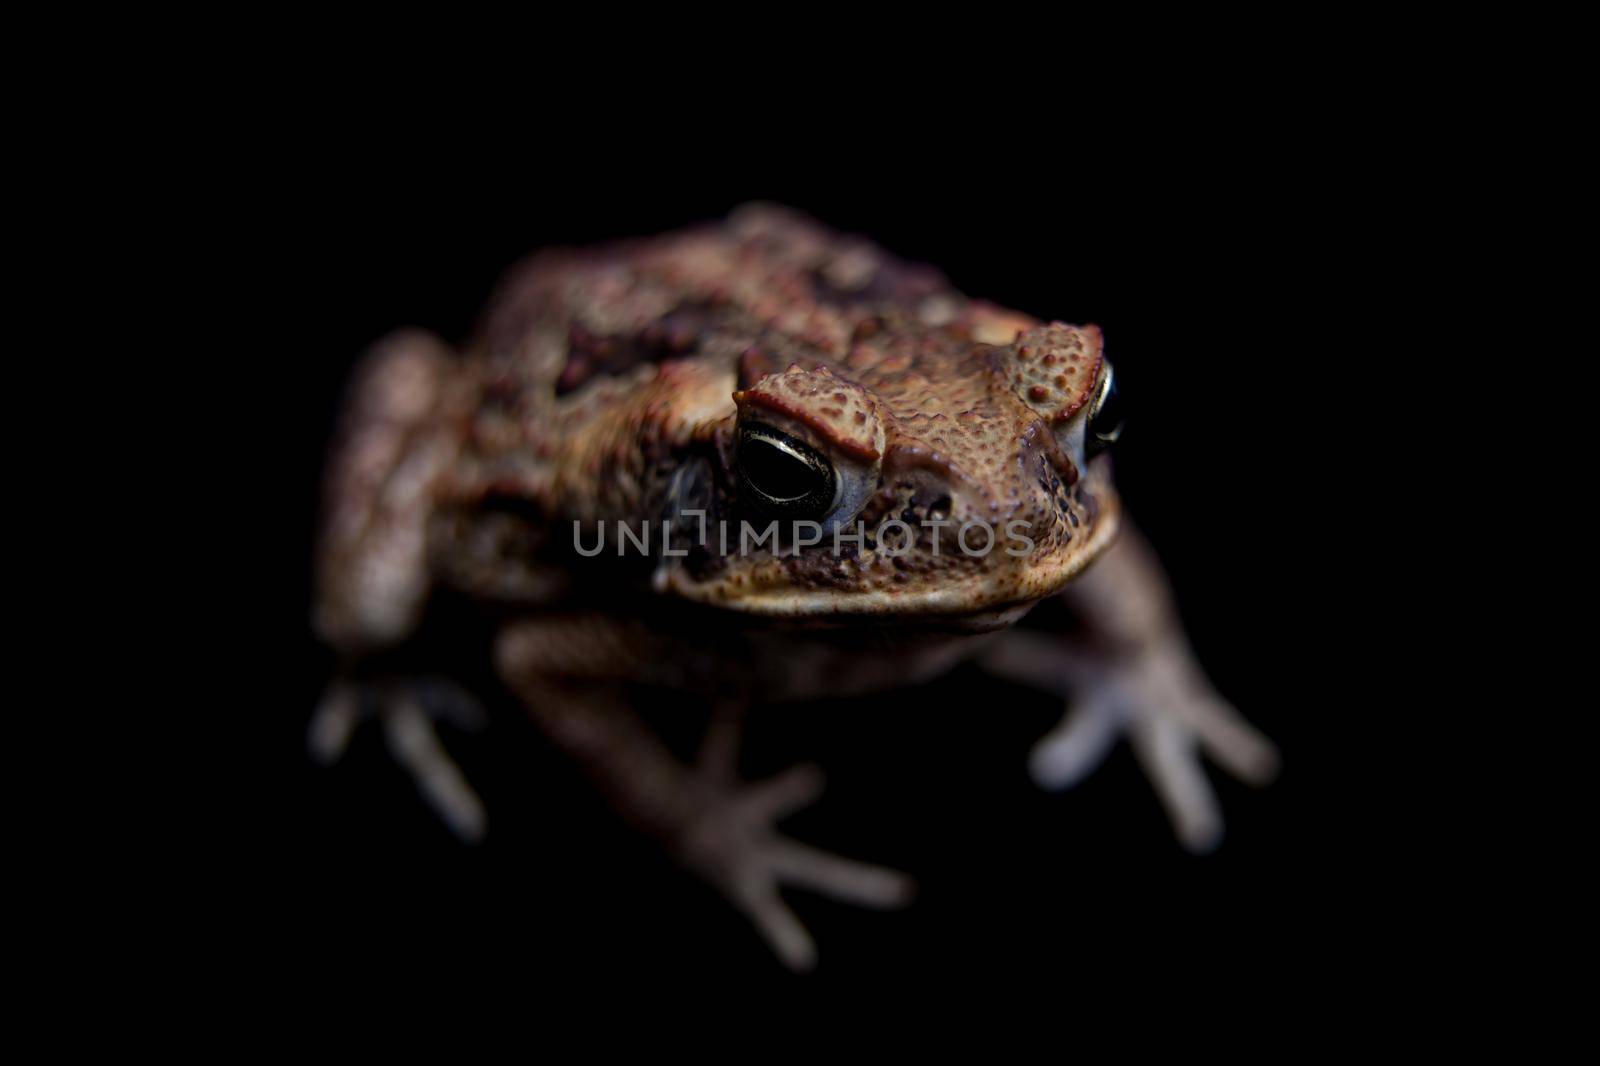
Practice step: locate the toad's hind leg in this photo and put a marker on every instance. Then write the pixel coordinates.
(407, 709)
(719, 827)
(393, 448)
(392, 451)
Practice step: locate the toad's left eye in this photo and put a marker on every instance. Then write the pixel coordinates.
(1105, 417)
(783, 476)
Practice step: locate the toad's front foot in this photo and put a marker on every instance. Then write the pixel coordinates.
(731, 841)
(1162, 702)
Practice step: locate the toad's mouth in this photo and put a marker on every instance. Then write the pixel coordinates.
(981, 600)
(908, 622)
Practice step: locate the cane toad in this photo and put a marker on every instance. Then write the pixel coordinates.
(742, 460)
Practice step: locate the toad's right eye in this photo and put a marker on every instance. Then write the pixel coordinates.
(783, 476)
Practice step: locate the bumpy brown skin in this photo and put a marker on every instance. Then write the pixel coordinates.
(603, 376)
(609, 385)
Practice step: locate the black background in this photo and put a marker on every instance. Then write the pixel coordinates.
(1218, 269)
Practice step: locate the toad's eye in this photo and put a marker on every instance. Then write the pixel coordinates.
(783, 476)
(1105, 417)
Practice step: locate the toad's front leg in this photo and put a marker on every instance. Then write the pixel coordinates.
(721, 828)
(1136, 676)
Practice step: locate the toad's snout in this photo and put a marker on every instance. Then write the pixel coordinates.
(967, 475)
